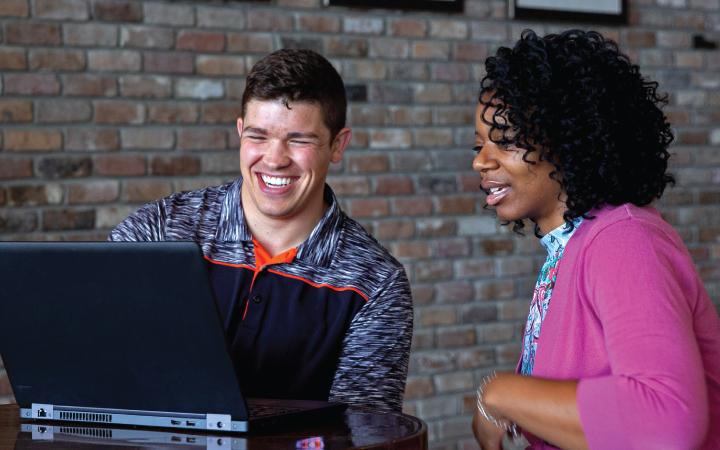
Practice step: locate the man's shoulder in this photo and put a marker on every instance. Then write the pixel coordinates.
(206, 195)
(358, 248)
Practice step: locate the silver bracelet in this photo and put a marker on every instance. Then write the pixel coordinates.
(505, 425)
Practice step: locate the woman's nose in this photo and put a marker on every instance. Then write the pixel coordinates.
(484, 160)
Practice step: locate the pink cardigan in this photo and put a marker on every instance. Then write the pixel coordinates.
(630, 318)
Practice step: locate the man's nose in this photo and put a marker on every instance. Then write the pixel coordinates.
(277, 153)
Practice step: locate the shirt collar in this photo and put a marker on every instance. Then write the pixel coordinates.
(557, 239)
(317, 249)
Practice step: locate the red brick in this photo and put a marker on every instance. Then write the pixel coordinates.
(201, 41)
(451, 72)
(268, 20)
(29, 33)
(412, 206)
(454, 292)
(430, 50)
(15, 111)
(470, 51)
(390, 138)
(34, 195)
(434, 227)
(173, 112)
(68, 219)
(32, 140)
(91, 139)
(448, 29)
(405, 115)
(299, 3)
(65, 167)
(117, 112)
(393, 185)
(220, 112)
(114, 60)
(17, 221)
(15, 168)
(61, 9)
(640, 38)
(432, 270)
(118, 10)
(367, 163)
(249, 43)
(456, 205)
(407, 27)
(389, 48)
(344, 46)
(202, 139)
(90, 34)
(316, 23)
(175, 165)
(120, 165)
(169, 14)
(86, 85)
(146, 37)
(147, 86)
(31, 84)
(418, 387)
(456, 337)
(14, 8)
(140, 191)
(220, 65)
(219, 17)
(199, 88)
(168, 62)
(12, 59)
(394, 229)
(432, 137)
(349, 185)
(51, 60)
(369, 207)
(451, 247)
(58, 111)
(148, 138)
(93, 192)
(410, 250)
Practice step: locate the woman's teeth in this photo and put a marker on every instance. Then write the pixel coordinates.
(276, 181)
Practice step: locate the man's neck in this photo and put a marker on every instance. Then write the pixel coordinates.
(277, 235)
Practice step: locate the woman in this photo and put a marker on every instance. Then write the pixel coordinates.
(622, 344)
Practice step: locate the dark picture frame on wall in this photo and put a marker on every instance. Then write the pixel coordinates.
(598, 11)
(423, 5)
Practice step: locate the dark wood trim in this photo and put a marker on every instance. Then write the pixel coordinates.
(424, 5)
(521, 13)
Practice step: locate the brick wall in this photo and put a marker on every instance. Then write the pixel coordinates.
(108, 104)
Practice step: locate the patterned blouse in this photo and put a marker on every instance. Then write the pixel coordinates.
(554, 242)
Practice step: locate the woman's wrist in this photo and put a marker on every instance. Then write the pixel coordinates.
(487, 410)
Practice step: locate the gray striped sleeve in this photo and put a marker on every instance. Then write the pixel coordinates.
(374, 361)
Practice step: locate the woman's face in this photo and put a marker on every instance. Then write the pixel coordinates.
(516, 189)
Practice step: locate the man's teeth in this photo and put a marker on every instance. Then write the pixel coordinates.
(495, 190)
(276, 181)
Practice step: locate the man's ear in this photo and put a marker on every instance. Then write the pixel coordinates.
(239, 126)
(341, 141)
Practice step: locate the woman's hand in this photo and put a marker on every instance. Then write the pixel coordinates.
(487, 434)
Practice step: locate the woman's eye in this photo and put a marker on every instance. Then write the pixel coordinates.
(477, 148)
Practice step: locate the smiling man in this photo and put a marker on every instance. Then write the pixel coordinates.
(313, 306)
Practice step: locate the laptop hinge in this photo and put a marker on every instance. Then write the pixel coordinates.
(218, 422)
(41, 411)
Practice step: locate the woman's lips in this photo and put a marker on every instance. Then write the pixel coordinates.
(496, 194)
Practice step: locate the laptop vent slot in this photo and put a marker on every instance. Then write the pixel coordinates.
(90, 432)
(85, 417)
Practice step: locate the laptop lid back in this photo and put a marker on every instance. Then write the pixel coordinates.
(110, 325)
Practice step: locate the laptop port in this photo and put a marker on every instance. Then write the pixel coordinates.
(41, 412)
(175, 422)
(190, 423)
(191, 440)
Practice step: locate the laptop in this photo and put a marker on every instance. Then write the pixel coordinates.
(125, 333)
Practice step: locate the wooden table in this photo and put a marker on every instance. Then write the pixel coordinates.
(355, 429)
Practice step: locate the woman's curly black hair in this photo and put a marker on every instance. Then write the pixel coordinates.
(583, 106)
